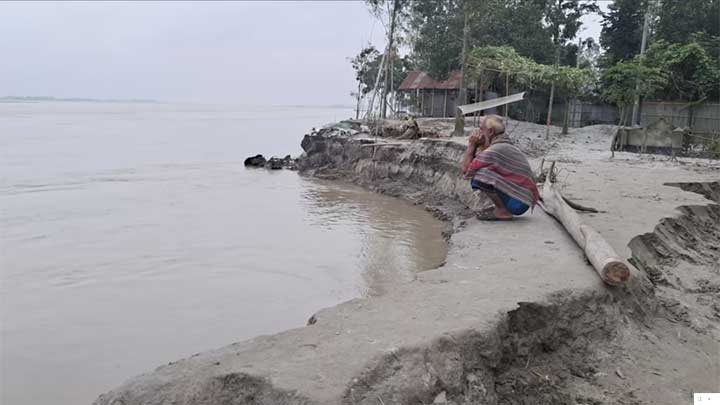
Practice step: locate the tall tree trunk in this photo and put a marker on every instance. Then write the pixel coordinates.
(549, 114)
(552, 88)
(507, 93)
(392, 89)
(391, 36)
(636, 101)
(566, 118)
(462, 94)
(371, 105)
(357, 105)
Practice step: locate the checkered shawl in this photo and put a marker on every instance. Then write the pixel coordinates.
(504, 166)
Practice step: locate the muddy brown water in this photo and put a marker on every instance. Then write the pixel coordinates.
(131, 236)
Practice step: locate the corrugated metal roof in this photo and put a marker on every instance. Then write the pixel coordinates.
(421, 80)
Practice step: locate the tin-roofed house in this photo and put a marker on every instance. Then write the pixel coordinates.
(426, 97)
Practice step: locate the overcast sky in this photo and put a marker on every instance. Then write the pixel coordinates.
(226, 52)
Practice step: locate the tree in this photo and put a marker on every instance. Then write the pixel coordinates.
(621, 81)
(395, 11)
(436, 30)
(588, 54)
(486, 62)
(378, 8)
(367, 65)
(572, 82)
(563, 17)
(519, 24)
(679, 19)
(692, 72)
(464, 55)
(622, 30)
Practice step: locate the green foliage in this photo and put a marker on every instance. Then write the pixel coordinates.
(516, 23)
(672, 21)
(680, 19)
(563, 17)
(619, 82)
(526, 36)
(711, 44)
(574, 82)
(436, 35)
(436, 26)
(692, 73)
(484, 61)
(622, 30)
(367, 63)
(502, 58)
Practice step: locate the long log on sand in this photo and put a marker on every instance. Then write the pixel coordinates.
(601, 255)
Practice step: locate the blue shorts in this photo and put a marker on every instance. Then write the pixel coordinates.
(516, 207)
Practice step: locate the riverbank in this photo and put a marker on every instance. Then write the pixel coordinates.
(515, 314)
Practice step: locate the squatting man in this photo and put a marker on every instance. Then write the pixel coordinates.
(500, 170)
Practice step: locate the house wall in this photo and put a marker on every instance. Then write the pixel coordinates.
(439, 106)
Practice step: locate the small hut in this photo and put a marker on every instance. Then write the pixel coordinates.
(426, 97)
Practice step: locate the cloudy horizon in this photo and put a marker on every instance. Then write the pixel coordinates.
(271, 53)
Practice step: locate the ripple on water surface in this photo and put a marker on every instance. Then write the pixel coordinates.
(136, 240)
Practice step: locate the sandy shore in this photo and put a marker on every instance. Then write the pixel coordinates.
(516, 315)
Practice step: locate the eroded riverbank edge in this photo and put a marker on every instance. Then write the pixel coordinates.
(512, 317)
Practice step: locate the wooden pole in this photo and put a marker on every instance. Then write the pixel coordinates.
(445, 105)
(357, 105)
(507, 91)
(392, 96)
(482, 92)
(476, 100)
(417, 102)
(549, 114)
(432, 103)
(602, 256)
(552, 86)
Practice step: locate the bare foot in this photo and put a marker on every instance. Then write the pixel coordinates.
(494, 214)
(502, 213)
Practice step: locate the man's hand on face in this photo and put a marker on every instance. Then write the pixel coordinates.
(475, 139)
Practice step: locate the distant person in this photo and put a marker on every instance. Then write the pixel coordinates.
(412, 129)
(499, 169)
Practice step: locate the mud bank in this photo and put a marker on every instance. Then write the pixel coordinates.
(516, 315)
(425, 172)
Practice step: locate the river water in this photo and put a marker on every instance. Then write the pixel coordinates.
(131, 235)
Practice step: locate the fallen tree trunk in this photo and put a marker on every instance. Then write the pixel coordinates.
(601, 255)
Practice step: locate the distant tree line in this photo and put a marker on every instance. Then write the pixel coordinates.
(539, 40)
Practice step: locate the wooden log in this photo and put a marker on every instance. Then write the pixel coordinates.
(601, 255)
